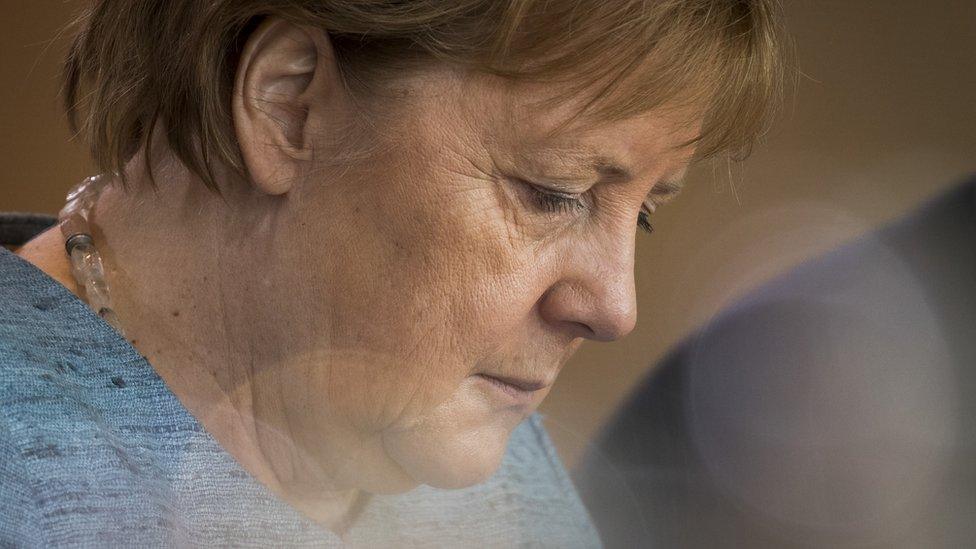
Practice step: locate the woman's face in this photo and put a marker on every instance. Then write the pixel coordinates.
(452, 242)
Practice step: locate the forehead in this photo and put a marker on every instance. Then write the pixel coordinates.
(623, 149)
(652, 142)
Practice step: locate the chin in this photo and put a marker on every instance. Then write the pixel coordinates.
(449, 461)
(454, 447)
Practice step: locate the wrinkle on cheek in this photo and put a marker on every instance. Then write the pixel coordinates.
(508, 260)
(512, 218)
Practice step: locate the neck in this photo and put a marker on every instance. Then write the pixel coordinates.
(183, 264)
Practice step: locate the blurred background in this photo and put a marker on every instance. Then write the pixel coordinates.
(882, 120)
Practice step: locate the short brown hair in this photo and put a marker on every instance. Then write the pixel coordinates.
(173, 61)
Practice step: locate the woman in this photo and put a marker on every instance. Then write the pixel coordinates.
(349, 245)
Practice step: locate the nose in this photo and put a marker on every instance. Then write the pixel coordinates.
(596, 298)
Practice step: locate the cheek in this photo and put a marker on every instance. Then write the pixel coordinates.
(419, 280)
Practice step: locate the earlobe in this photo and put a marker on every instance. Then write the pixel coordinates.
(274, 90)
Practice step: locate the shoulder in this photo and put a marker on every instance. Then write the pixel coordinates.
(67, 471)
(53, 356)
(20, 523)
(79, 460)
(38, 316)
(82, 463)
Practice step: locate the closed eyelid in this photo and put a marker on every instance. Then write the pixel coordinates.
(663, 192)
(667, 188)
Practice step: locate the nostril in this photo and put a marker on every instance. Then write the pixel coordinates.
(581, 329)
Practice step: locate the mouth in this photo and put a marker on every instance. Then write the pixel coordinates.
(515, 387)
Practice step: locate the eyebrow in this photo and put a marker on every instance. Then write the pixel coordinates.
(611, 172)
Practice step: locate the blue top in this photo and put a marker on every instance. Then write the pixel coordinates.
(95, 450)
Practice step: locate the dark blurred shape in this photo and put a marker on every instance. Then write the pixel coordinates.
(834, 406)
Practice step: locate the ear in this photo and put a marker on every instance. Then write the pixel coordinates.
(284, 72)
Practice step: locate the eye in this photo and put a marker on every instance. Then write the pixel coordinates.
(643, 220)
(551, 201)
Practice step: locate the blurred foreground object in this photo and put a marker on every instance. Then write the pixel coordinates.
(834, 406)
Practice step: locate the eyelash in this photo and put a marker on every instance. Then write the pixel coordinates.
(552, 202)
(643, 220)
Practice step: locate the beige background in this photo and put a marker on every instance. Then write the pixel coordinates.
(883, 118)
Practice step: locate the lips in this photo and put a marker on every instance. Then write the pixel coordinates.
(521, 385)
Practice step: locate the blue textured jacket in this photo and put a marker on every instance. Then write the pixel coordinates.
(96, 451)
